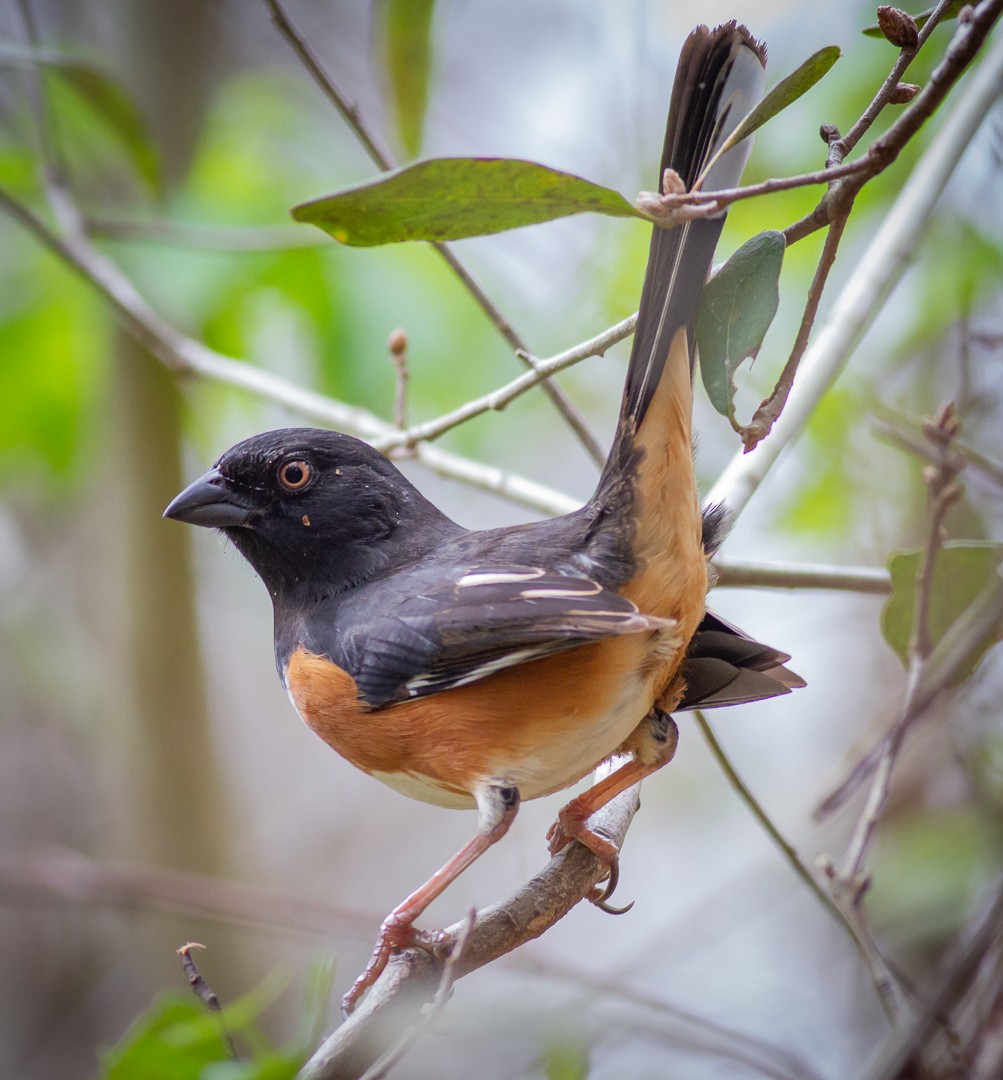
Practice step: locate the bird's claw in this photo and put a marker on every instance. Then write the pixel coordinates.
(395, 935)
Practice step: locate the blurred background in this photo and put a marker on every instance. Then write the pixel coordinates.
(156, 786)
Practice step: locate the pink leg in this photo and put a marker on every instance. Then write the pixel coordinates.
(498, 805)
(572, 819)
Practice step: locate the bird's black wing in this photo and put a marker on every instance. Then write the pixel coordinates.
(449, 632)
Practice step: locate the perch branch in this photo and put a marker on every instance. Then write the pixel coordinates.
(411, 977)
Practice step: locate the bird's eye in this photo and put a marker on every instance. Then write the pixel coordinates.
(295, 475)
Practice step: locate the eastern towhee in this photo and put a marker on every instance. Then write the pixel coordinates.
(476, 669)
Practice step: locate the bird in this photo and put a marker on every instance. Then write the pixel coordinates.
(478, 668)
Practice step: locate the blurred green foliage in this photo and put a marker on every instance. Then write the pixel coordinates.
(176, 1038)
(407, 39)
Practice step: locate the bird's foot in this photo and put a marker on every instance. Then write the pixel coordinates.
(570, 826)
(395, 935)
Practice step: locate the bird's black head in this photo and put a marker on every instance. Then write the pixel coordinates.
(314, 512)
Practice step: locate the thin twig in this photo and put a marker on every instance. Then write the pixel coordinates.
(757, 811)
(878, 967)
(886, 148)
(505, 395)
(726, 196)
(900, 430)
(766, 415)
(205, 994)
(851, 882)
(397, 345)
(977, 957)
(944, 492)
(951, 654)
(682, 1023)
(381, 158)
(841, 147)
(745, 573)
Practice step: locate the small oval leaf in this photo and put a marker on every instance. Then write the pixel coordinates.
(785, 93)
(453, 198)
(736, 310)
(963, 571)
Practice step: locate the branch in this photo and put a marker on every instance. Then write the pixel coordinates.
(941, 669)
(851, 882)
(51, 871)
(184, 355)
(745, 573)
(898, 429)
(975, 963)
(412, 976)
(384, 162)
(881, 976)
(880, 268)
(505, 395)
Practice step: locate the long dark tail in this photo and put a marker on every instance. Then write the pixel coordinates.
(720, 76)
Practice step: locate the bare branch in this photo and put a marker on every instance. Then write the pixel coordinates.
(852, 881)
(941, 669)
(505, 395)
(50, 872)
(411, 977)
(743, 573)
(205, 993)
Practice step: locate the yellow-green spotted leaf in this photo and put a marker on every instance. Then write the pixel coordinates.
(453, 198)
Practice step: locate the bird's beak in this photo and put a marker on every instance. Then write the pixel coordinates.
(211, 502)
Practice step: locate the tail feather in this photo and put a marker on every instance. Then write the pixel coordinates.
(719, 78)
(724, 666)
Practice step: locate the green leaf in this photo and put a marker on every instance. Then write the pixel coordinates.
(407, 37)
(785, 93)
(963, 571)
(453, 198)
(118, 111)
(735, 312)
(174, 1040)
(919, 20)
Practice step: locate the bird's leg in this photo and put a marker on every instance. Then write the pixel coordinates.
(658, 748)
(497, 804)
